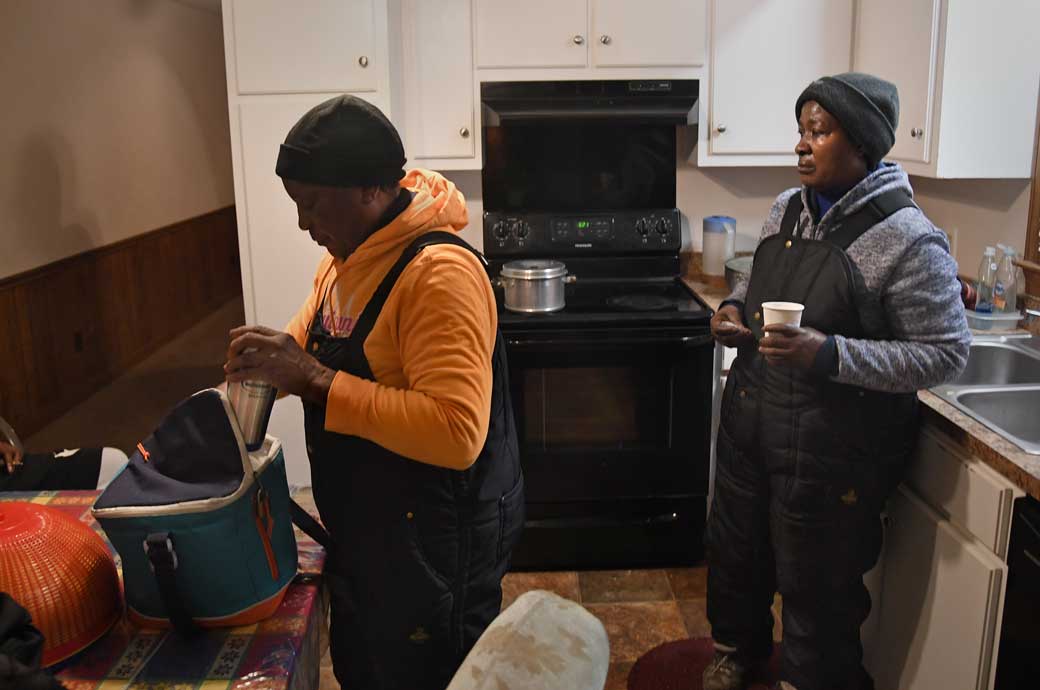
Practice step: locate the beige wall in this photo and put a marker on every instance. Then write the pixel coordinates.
(114, 123)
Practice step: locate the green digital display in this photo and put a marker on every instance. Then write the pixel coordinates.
(582, 224)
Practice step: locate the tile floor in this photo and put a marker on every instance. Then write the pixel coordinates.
(639, 608)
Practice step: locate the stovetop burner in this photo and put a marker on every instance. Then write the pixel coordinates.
(602, 302)
(641, 302)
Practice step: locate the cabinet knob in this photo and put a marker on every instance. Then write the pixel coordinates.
(578, 39)
(464, 132)
(721, 129)
(916, 132)
(604, 39)
(363, 61)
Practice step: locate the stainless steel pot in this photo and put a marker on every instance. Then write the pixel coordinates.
(534, 286)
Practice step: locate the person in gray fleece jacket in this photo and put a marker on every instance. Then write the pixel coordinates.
(819, 420)
(910, 290)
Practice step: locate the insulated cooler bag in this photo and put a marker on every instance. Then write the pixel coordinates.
(202, 526)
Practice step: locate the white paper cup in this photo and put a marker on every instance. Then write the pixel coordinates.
(782, 312)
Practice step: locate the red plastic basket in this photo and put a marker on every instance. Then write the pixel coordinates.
(62, 573)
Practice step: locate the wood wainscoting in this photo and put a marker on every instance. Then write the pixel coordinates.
(72, 326)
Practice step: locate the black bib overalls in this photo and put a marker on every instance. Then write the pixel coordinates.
(418, 551)
(804, 466)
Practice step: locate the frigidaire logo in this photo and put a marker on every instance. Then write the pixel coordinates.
(583, 245)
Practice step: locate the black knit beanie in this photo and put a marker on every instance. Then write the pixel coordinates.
(343, 142)
(866, 106)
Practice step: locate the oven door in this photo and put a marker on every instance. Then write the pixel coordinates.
(604, 415)
(614, 428)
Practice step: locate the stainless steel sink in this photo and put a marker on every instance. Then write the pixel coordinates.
(1016, 411)
(999, 364)
(1000, 387)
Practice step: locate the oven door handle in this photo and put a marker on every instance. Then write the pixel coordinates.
(686, 341)
(591, 522)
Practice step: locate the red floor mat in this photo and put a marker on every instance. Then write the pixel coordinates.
(679, 665)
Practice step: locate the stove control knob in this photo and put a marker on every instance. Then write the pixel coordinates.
(522, 229)
(664, 226)
(643, 226)
(500, 229)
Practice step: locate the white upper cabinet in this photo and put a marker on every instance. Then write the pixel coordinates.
(903, 52)
(532, 33)
(437, 98)
(651, 33)
(763, 53)
(313, 46)
(967, 73)
(590, 35)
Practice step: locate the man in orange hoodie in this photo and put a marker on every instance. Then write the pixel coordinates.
(397, 358)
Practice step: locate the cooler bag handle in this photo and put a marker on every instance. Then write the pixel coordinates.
(163, 560)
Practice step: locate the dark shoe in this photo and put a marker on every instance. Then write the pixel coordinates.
(725, 672)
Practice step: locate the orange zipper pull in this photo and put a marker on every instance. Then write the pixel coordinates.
(265, 528)
(144, 453)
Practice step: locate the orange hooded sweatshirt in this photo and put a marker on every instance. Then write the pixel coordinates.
(430, 349)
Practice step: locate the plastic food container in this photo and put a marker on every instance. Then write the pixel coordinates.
(997, 321)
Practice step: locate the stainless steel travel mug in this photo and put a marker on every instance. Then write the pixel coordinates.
(252, 402)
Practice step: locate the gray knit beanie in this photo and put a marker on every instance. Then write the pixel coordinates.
(866, 106)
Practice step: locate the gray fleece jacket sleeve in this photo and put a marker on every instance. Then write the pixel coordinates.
(930, 336)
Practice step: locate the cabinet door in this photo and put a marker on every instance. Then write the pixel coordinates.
(652, 33)
(941, 604)
(534, 33)
(296, 47)
(897, 40)
(282, 258)
(961, 488)
(437, 70)
(764, 53)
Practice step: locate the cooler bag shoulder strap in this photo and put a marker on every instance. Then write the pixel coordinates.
(311, 527)
(163, 559)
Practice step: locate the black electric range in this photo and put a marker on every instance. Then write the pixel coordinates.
(612, 394)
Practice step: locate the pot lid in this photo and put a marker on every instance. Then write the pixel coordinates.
(534, 269)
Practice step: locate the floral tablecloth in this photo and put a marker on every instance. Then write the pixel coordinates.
(282, 652)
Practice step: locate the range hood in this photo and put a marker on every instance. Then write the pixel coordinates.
(664, 101)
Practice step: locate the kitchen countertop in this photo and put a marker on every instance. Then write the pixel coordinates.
(712, 289)
(993, 449)
(710, 293)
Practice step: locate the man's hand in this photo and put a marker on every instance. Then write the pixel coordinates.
(728, 328)
(791, 346)
(12, 457)
(275, 357)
